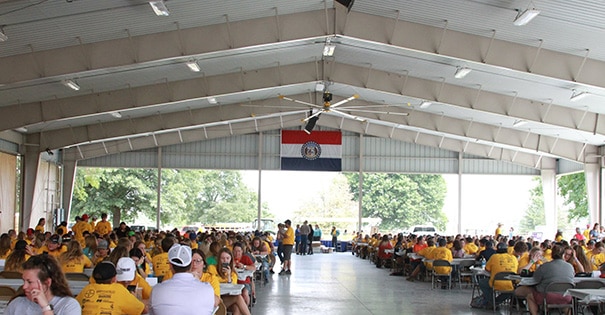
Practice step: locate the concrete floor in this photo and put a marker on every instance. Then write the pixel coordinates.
(340, 283)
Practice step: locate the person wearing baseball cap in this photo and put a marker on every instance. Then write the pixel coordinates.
(53, 247)
(183, 292)
(106, 295)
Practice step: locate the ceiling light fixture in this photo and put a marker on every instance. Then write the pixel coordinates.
(519, 122)
(461, 72)
(425, 104)
(329, 48)
(576, 96)
(159, 7)
(3, 36)
(193, 66)
(320, 86)
(71, 84)
(525, 17)
(212, 100)
(116, 114)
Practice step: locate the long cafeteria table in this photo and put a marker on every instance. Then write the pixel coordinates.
(75, 286)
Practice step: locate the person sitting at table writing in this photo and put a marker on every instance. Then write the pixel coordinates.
(45, 290)
(442, 253)
(556, 270)
(501, 261)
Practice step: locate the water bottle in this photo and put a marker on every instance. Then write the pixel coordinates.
(483, 262)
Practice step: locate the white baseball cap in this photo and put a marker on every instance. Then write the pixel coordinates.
(125, 269)
(179, 255)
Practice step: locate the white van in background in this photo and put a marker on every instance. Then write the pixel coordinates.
(423, 230)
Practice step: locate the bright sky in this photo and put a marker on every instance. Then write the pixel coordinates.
(486, 199)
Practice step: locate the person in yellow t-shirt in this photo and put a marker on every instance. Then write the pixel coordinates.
(161, 265)
(80, 227)
(53, 247)
(103, 227)
(107, 296)
(596, 256)
(530, 261)
(5, 246)
(498, 231)
(40, 226)
(73, 259)
(288, 243)
(470, 248)
(501, 261)
(426, 253)
(442, 253)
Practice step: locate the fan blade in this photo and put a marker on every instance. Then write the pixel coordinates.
(314, 115)
(374, 111)
(273, 106)
(299, 102)
(348, 115)
(344, 101)
(373, 106)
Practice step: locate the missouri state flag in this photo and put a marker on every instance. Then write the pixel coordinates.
(318, 151)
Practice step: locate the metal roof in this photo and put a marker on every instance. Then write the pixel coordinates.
(136, 91)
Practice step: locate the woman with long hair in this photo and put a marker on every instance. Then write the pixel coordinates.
(45, 290)
(457, 250)
(582, 259)
(74, 260)
(21, 253)
(569, 255)
(90, 242)
(5, 245)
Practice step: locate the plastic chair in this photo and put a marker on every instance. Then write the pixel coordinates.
(435, 273)
(553, 290)
(6, 292)
(10, 275)
(502, 276)
(77, 276)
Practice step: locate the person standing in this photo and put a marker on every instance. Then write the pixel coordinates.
(41, 224)
(303, 231)
(310, 239)
(288, 243)
(317, 234)
(297, 239)
(498, 231)
(335, 233)
(280, 242)
(103, 227)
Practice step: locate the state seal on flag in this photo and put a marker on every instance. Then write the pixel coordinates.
(310, 150)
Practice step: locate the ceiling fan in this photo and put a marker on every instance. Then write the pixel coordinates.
(335, 108)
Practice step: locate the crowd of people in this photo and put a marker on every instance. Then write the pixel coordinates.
(189, 266)
(547, 261)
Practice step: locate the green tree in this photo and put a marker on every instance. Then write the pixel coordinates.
(573, 189)
(121, 192)
(534, 214)
(401, 200)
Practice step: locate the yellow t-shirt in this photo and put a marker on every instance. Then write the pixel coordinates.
(289, 237)
(79, 229)
(161, 266)
(76, 265)
(40, 228)
(426, 253)
(499, 263)
(596, 260)
(109, 299)
(54, 253)
(470, 248)
(140, 282)
(103, 227)
(213, 281)
(442, 253)
(524, 261)
(8, 252)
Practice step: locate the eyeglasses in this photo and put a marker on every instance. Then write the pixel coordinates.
(198, 261)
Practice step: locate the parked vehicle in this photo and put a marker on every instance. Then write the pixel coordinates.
(423, 230)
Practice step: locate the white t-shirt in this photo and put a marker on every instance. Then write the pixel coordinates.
(61, 306)
(182, 294)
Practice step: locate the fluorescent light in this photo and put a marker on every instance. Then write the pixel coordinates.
(116, 114)
(329, 50)
(21, 129)
(212, 100)
(576, 96)
(193, 66)
(519, 122)
(159, 8)
(526, 17)
(425, 104)
(71, 84)
(462, 72)
(319, 87)
(3, 36)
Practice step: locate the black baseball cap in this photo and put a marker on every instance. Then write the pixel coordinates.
(105, 270)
